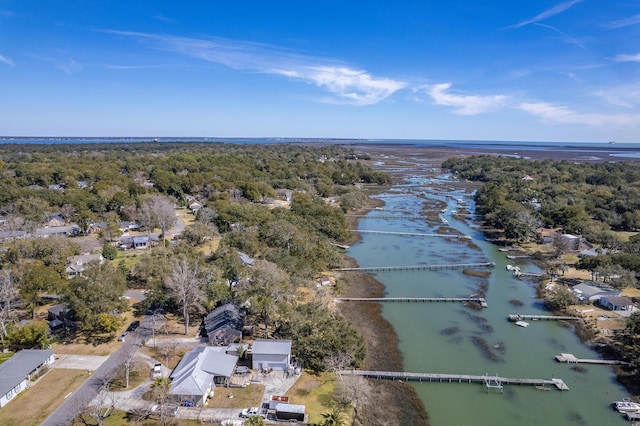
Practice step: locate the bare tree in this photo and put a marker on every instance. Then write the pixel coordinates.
(161, 211)
(338, 362)
(186, 285)
(100, 408)
(14, 223)
(353, 391)
(67, 211)
(8, 296)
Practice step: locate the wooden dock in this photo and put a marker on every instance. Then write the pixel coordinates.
(571, 359)
(419, 267)
(479, 300)
(488, 381)
(410, 234)
(520, 317)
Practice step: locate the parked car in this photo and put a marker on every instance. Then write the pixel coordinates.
(123, 336)
(250, 412)
(133, 326)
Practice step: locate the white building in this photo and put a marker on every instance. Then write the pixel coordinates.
(275, 354)
(16, 373)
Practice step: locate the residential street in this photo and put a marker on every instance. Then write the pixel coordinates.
(74, 404)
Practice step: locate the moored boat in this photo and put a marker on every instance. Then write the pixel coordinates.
(626, 405)
(522, 323)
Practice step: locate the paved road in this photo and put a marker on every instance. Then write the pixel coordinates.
(75, 403)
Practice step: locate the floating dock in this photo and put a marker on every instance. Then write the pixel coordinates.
(488, 381)
(479, 300)
(571, 359)
(520, 317)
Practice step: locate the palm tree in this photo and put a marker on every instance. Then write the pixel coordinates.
(254, 421)
(335, 417)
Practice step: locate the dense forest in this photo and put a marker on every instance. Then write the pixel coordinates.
(593, 200)
(281, 206)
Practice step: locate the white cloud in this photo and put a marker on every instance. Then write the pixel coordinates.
(547, 13)
(627, 58)
(464, 104)
(566, 36)
(347, 85)
(5, 60)
(70, 67)
(563, 115)
(626, 22)
(352, 86)
(626, 95)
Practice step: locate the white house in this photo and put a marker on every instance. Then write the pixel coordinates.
(17, 371)
(194, 378)
(275, 354)
(78, 264)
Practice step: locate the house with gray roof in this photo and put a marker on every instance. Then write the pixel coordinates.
(271, 354)
(16, 373)
(592, 293)
(224, 324)
(195, 377)
(616, 303)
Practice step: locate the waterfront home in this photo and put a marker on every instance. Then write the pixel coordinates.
(224, 325)
(616, 303)
(195, 376)
(19, 370)
(592, 293)
(270, 354)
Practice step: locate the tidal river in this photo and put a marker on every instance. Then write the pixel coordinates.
(451, 338)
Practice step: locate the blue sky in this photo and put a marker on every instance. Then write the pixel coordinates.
(457, 69)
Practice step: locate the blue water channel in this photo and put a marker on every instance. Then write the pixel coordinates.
(451, 338)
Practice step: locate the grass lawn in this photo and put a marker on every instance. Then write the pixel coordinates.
(33, 405)
(239, 398)
(5, 356)
(315, 393)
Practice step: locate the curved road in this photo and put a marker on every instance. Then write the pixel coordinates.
(75, 403)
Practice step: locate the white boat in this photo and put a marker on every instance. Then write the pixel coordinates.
(522, 323)
(626, 405)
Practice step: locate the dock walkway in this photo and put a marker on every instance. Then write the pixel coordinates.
(489, 381)
(410, 234)
(520, 317)
(419, 267)
(571, 359)
(479, 300)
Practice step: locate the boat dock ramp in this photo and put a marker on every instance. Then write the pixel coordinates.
(419, 267)
(489, 382)
(520, 317)
(479, 300)
(571, 359)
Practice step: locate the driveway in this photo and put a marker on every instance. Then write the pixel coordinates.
(79, 362)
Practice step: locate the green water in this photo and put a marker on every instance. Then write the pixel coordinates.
(439, 337)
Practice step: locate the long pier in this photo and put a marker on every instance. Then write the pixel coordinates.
(410, 234)
(385, 216)
(488, 381)
(571, 359)
(419, 267)
(518, 317)
(480, 300)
